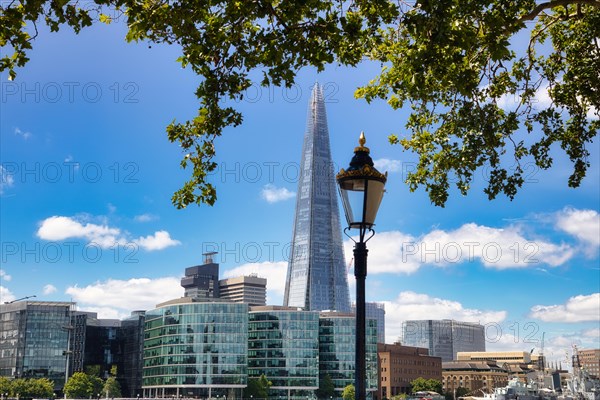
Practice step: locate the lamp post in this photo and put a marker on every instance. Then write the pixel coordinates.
(361, 188)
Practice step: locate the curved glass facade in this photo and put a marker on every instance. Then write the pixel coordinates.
(336, 350)
(283, 344)
(195, 349)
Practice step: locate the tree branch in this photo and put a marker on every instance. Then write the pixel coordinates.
(555, 3)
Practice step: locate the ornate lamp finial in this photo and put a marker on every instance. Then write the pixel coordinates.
(361, 141)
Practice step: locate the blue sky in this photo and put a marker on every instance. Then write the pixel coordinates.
(88, 173)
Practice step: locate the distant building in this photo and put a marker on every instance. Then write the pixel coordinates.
(95, 345)
(589, 360)
(444, 338)
(336, 350)
(517, 363)
(476, 376)
(251, 290)
(283, 344)
(316, 276)
(34, 340)
(132, 360)
(202, 281)
(400, 365)
(195, 349)
(375, 311)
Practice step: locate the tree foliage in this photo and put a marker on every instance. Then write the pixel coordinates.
(112, 387)
(258, 388)
(326, 387)
(79, 386)
(27, 387)
(471, 85)
(349, 392)
(426, 385)
(5, 385)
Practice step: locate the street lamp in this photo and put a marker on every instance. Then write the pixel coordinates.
(361, 189)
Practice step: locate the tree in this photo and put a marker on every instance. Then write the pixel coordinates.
(79, 386)
(97, 385)
(41, 388)
(426, 385)
(5, 385)
(326, 387)
(27, 387)
(258, 387)
(349, 392)
(93, 370)
(112, 387)
(451, 62)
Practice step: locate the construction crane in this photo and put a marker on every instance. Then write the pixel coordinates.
(22, 298)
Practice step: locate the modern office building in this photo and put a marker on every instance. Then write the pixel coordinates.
(132, 361)
(337, 343)
(316, 276)
(589, 361)
(444, 338)
(202, 281)
(251, 290)
(195, 349)
(283, 344)
(95, 344)
(375, 311)
(400, 365)
(34, 340)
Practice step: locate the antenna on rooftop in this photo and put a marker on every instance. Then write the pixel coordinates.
(208, 257)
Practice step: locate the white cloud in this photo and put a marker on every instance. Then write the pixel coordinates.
(23, 134)
(274, 272)
(160, 240)
(593, 333)
(4, 276)
(111, 208)
(69, 160)
(577, 309)
(583, 224)
(145, 217)
(499, 248)
(541, 99)
(49, 289)
(61, 228)
(416, 306)
(6, 295)
(6, 179)
(117, 298)
(386, 165)
(273, 194)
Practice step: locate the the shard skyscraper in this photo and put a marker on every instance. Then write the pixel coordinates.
(316, 276)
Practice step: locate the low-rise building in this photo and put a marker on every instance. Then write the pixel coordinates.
(589, 360)
(400, 365)
(476, 376)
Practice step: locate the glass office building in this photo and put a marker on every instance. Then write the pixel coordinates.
(283, 344)
(34, 339)
(316, 276)
(444, 338)
(195, 349)
(336, 350)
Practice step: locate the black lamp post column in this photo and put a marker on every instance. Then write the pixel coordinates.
(361, 189)
(360, 273)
